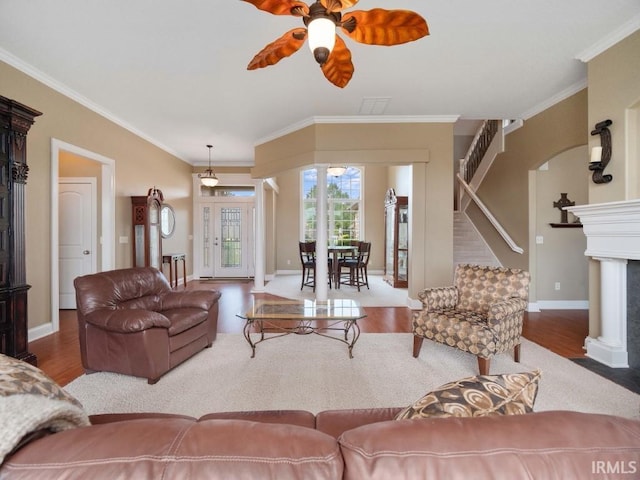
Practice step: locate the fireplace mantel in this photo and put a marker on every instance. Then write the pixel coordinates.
(612, 229)
(613, 237)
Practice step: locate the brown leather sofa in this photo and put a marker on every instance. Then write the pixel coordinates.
(344, 444)
(130, 321)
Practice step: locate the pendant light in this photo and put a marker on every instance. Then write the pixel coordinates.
(336, 171)
(208, 178)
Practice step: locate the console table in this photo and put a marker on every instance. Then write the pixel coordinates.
(172, 260)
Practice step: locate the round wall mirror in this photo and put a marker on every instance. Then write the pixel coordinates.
(167, 220)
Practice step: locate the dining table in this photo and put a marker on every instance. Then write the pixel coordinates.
(336, 251)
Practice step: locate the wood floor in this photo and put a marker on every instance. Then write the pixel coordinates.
(561, 331)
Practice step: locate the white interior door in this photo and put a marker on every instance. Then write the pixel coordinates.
(233, 241)
(77, 233)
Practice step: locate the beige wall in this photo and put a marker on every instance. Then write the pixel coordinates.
(426, 149)
(139, 165)
(614, 93)
(400, 180)
(561, 257)
(505, 189)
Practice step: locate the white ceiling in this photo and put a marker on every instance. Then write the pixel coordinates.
(174, 71)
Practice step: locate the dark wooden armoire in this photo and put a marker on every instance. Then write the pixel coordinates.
(15, 121)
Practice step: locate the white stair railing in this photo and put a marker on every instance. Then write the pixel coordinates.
(494, 221)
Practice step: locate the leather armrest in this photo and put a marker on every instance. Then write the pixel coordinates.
(439, 298)
(202, 299)
(127, 320)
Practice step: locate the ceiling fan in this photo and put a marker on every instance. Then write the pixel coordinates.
(372, 27)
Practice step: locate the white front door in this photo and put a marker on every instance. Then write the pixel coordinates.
(226, 238)
(76, 225)
(233, 239)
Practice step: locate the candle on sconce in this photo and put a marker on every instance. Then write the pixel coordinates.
(596, 155)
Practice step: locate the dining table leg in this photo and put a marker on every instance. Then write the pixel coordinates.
(336, 269)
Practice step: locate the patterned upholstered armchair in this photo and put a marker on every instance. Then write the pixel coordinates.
(481, 313)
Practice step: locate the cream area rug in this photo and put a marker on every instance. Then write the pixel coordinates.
(314, 373)
(379, 294)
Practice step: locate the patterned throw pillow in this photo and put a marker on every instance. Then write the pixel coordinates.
(507, 394)
(32, 405)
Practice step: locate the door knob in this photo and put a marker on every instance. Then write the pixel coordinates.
(86, 252)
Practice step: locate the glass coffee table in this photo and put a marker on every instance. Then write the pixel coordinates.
(303, 317)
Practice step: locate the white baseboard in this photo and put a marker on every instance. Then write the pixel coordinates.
(40, 331)
(533, 307)
(288, 272)
(563, 304)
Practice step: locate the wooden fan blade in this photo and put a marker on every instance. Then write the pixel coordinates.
(337, 5)
(281, 7)
(286, 45)
(384, 27)
(338, 68)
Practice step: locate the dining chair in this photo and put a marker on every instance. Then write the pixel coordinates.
(357, 265)
(308, 261)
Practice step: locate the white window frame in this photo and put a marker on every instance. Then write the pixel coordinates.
(361, 209)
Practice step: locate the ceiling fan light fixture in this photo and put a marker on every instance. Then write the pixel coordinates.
(322, 19)
(208, 178)
(336, 171)
(322, 38)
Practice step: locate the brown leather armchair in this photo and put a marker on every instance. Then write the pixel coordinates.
(130, 321)
(482, 313)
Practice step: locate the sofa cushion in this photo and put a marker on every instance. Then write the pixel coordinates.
(32, 405)
(181, 448)
(545, 445)
(482, 395)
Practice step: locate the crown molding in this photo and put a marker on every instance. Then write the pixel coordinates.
(610, 40)
(356, 119)
(45, 79)
(216, 164)
(557, 98)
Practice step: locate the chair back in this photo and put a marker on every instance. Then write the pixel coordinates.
(133, 288)
(307, 252)
(364, 251)
(352, 254)
(479, 286)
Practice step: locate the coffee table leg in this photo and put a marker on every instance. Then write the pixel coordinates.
(247, 335)
(355, 331)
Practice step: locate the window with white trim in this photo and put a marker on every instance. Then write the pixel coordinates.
(344, 206)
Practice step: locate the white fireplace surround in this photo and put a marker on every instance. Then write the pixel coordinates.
(613, 238)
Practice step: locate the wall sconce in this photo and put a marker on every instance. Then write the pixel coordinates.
(600, 156)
